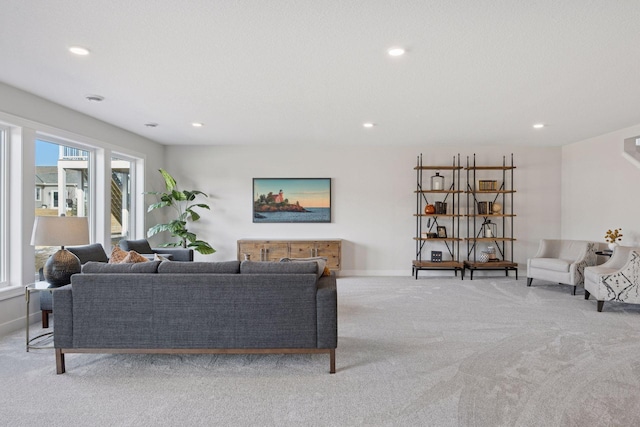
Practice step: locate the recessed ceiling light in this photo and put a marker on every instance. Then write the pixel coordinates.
(396, 51)
(368, 125)
(538, 125)
(197, 125)
(79, 50)
(94, 98)
(151, 125)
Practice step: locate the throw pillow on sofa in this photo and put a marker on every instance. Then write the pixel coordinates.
(321, 261)
(134, 257)
(117, 255)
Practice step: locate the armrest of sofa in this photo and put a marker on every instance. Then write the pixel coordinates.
(178, 254)
(327, 311)
(63, 317)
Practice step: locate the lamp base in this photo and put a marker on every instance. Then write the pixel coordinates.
(60, 267)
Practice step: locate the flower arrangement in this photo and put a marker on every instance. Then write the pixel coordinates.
(612, 236)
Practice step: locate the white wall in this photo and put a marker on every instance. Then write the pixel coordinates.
(600, 189)
(373, 196)
(31, 113)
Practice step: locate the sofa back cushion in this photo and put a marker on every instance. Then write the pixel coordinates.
(104, 268)
(86, 253)
(225, 267)
(255, 267)
(141, 246)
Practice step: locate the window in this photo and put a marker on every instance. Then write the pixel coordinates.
(62, 179)
(3, 206)
(122, 219)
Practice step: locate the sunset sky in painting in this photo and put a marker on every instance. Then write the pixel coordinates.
(311, 193)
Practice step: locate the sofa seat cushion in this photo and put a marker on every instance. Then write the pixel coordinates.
(255, 267)
(225, 267)
(553, 264)
(105, 268)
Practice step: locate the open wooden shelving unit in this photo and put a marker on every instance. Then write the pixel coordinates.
(428, 223)
(503, 241)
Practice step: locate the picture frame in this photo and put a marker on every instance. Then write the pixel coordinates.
(442, 232)
(292, 200)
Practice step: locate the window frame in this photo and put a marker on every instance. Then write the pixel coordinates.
(5, 134)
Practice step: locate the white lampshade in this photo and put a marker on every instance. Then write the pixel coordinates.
(60, 231)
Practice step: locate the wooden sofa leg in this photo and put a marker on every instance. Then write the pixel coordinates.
(586, 294)
(529, 280)
(45, 318)
(332, 361)
(600, 305)
(60, 368)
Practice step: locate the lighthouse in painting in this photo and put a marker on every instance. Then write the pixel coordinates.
(279, 198)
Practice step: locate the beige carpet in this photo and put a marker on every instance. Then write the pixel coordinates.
(428, 352)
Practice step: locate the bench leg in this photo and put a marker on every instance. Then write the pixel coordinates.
(332, 361)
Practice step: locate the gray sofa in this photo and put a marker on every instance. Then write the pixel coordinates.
(199, 307)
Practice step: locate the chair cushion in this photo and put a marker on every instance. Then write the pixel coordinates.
(141, 246)
(593, 273)
(553, 264)
(86, 253)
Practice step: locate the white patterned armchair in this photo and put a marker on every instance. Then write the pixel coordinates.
(562, 261)
(617, 279)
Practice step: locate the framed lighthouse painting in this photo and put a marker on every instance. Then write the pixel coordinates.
(291, 199)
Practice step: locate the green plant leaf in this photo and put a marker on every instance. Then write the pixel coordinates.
(158, 228)
(169, 182)
(178, 195)
(202, 247)
(158, 205)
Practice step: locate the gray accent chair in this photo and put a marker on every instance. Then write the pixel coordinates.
(94, 252)
(617, 280)
(562, 262)
(143, 247)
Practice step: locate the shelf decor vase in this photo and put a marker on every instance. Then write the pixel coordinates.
(484, 257)
(612, 246)
(437, 182)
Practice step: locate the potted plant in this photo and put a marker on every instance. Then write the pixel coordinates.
(184, 203)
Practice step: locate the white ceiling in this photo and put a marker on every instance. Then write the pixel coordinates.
(311, 72)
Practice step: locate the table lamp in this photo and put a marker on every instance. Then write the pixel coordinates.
(60, 231)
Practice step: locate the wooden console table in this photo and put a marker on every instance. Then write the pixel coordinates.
(274, 250)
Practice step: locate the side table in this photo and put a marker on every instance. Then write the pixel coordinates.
(37, 341)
